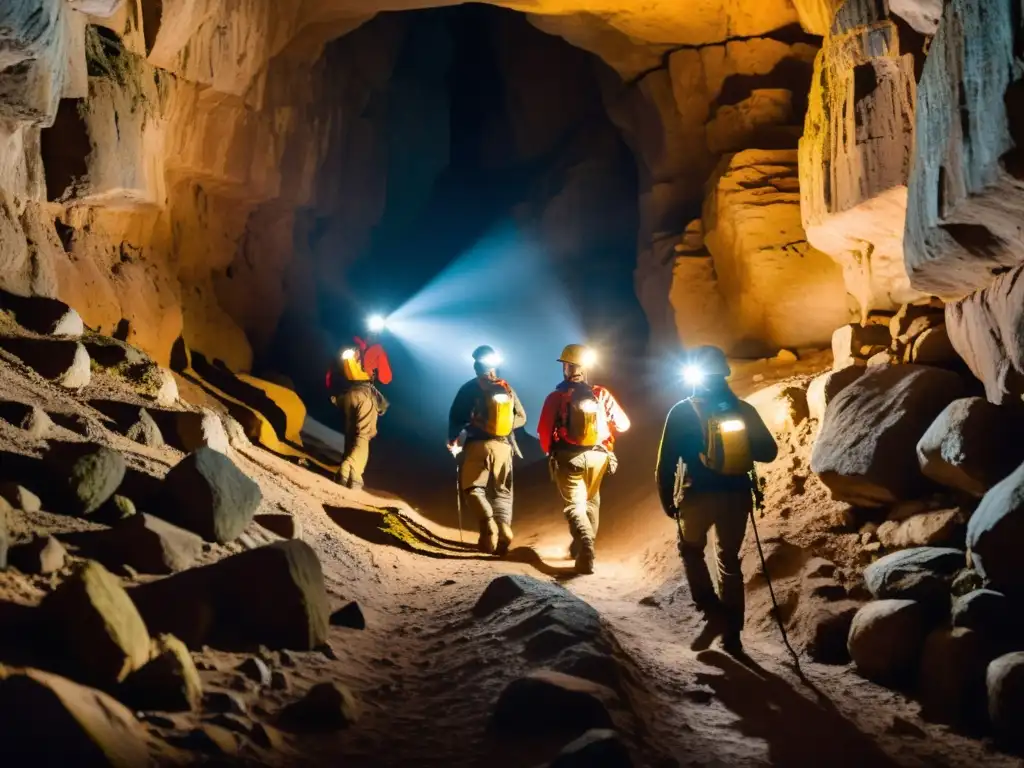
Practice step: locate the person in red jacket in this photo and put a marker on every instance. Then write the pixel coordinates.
(577, 430)
(352, 386)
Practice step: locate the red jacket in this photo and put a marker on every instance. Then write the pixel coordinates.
(551, 430)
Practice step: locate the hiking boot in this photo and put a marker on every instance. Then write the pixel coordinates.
(505, 537)
(585, 557)
(731, 643)
(715, 626)
(488, 537)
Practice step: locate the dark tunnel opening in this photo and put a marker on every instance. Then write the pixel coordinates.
(497, 140)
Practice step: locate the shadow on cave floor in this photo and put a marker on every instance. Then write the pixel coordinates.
(797, 730)
(390, 527)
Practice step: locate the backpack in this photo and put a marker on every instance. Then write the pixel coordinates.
(582, 416)
(494, 410)
(352, 365)
(726, 441)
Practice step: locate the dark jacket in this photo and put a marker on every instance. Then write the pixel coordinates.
(683, 438)
(462, 411)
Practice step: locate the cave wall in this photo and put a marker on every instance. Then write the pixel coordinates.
(162, 162)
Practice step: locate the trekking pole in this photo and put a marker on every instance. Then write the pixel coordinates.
(759, 505)
(458, 498)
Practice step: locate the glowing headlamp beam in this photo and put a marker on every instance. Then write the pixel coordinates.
(376, 323)
(693, 375)
(589, 358)
(491, 361)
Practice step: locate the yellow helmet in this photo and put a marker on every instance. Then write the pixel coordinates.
(577, 354)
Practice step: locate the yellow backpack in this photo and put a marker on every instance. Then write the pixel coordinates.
(726, 441)
(582, 416)
(352, 365)
(494, 411)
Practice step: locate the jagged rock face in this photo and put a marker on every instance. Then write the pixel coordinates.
(159, 161)
(965, 194)
(780, 291)
(856, 154)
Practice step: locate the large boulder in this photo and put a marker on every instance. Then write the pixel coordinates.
(94, 631)
(1005, 682)
(208, 494)
(923, 574)
(995, 530)
(48, 720)
(886, 638)
(273, 595)
(971, 446)
(866, 450)
(779, 289)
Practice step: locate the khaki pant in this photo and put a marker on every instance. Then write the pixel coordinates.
(578, 477)
(727, 511)
(359, 421)
(485, 479)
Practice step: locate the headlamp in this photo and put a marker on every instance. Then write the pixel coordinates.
(491, 361)
(348, 354)
(376, 323)
(588, 358)
(693, 375)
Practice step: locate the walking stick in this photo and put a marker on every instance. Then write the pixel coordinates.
(758, 505)
(458, 498)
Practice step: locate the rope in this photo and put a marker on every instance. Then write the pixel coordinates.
(758, 505)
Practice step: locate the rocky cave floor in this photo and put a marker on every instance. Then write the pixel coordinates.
(439, 675)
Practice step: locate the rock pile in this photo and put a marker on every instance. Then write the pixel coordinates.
(134, 646)
(914, 334)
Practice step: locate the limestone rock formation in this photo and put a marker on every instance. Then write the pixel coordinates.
(971, 446)
(984, 328)
(64, 362)
(961, 223)
(942, 528)
(43, 555)
(866, 451)
(779, 289)
(147, 544)
(93, 474)
(993, 531)
(858, 148)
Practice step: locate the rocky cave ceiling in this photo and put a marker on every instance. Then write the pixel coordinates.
(796, 160)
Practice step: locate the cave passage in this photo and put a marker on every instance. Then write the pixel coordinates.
(509, 218)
